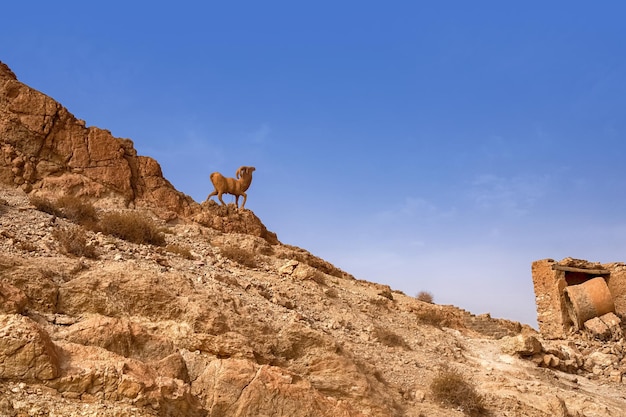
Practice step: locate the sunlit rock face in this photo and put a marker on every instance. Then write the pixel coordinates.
(46, 150)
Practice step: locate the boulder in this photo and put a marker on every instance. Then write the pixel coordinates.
(229, 219)
(301, 271)
(524, 345)
(121, 290)
(12, 299)
(26, 351)
(93, 372)
(600, 359)
(241, 388)
(597, 329)
(119, 335)
(605, 327)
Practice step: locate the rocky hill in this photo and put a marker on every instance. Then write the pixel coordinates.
(121, 296)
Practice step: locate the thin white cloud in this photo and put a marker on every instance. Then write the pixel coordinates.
(415, 208)
(513, 196)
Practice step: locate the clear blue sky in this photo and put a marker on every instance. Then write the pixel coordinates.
(439, 146)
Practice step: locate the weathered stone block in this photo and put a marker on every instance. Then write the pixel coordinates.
(26, 351)
(605, 327)
(521, 345)
(12, 299)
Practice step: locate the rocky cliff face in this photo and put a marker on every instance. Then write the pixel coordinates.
(223, 319)
(47, 151)
(45, 148)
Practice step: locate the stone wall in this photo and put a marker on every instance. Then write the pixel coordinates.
(551, 278)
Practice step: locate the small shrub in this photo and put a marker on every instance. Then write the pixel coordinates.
(331, 293)
(380, 302)
(77, 210)
(318, 278)
(228, 280)
(425, 296)
(267, 250)
(386, 293)
(451, 389)
(181, 251)
(73, 241)
(431, 317)
(239, 255)
(68, 207)
(132, 227)
(27, 246)
(389, 338)
(45, 205)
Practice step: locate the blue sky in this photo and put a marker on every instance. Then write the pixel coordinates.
(437, 146)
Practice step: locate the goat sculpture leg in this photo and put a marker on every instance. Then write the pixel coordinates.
(245, 197)
(218, 194)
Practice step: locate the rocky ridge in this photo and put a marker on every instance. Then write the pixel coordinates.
(144, 330)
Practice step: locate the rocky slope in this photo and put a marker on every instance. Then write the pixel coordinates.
(223, 319)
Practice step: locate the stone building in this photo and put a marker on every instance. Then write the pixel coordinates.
(571, 291)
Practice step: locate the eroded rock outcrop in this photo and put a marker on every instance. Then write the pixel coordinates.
(241, 388)
(26, 351)
(46, 149)
(12, 299)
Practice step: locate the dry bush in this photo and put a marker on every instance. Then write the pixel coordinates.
(27, 246)
(451, 389)
(73, 241)
(318, 278)
(181, 251)
(386, 293)
(132, 227)
(45, 205)
(77, 210)
(431, 317)
(425, 296)
(267, 250)
(239, 255)
(228, 280)
(331, 293)
(380, 302)
(68, 207)
(389, 338)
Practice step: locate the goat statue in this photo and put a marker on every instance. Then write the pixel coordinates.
(236, 187)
